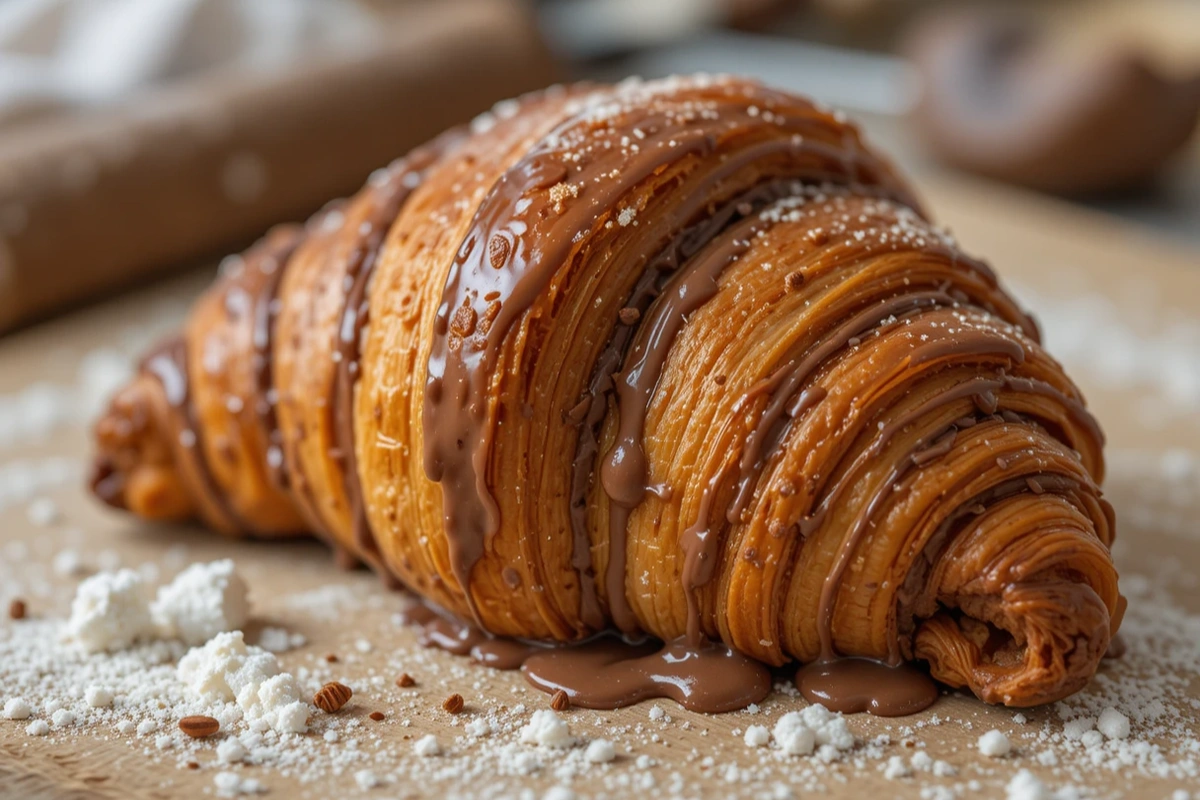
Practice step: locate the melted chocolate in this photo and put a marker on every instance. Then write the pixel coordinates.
(390, 190)
(272, 262)
(168, 363)
(612, 673)
(607, 671)
(521, 236)
(854, 685)
(650, 285)
(699, 540)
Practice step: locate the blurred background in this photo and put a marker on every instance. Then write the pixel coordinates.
(142, 137)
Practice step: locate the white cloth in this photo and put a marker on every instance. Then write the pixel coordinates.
(57, 54)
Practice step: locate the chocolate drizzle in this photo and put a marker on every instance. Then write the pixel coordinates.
(650, 285)
(168, 364)
(272, 264)
(523, 233)
(390, 190)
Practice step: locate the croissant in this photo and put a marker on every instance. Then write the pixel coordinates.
(682, 360)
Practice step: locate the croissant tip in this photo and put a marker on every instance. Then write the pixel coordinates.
(107, 483)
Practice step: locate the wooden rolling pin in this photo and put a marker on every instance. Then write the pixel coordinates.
(90, 202)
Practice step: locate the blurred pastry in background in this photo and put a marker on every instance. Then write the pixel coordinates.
(1010, 98)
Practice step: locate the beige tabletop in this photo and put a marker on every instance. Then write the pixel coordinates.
(1120, 309)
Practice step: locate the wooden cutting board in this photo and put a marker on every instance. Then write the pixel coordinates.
(1070, 260)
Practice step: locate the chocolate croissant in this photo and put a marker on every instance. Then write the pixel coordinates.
(681, 358)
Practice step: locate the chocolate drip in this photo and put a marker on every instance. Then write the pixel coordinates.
(168, 363)
(624, 472)
(445, 632)
(272, 264)
(650, 284)
(521, 236)
(975, 387)
(390, 190)
(785, 388)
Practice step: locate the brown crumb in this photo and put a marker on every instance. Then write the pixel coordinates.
(199, 726)
(331, 658)
(193, 765)
(794, 281)
(559, 701)
(17, 609)
(405, 680)
(453, 704)
(332, 696)
(378, 716)
(629, 315)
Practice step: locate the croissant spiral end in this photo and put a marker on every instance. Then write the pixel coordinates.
(682, 357)
(135, 467)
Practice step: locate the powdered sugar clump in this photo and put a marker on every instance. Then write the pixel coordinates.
(202, 601)
(600, 751)
(17, 708)
(793, 736)
(428, 746)
(547, 729)
(110, 611)
(1113, 724)
(800, 732)
(226, 668)
(757, 736)
(1026, 786)
(994, 744)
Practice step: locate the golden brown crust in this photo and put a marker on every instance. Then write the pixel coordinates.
(854, 443)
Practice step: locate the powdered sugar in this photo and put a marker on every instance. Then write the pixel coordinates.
(547, 729)
(17, 708)
(202, 601)
(226, 669)
(994, 744)
(110, 611)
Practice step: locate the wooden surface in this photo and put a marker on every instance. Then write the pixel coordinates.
(1040, 246)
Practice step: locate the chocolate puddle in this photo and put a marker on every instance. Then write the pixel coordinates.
(607, 671)
(611, 673)
(854, 685)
